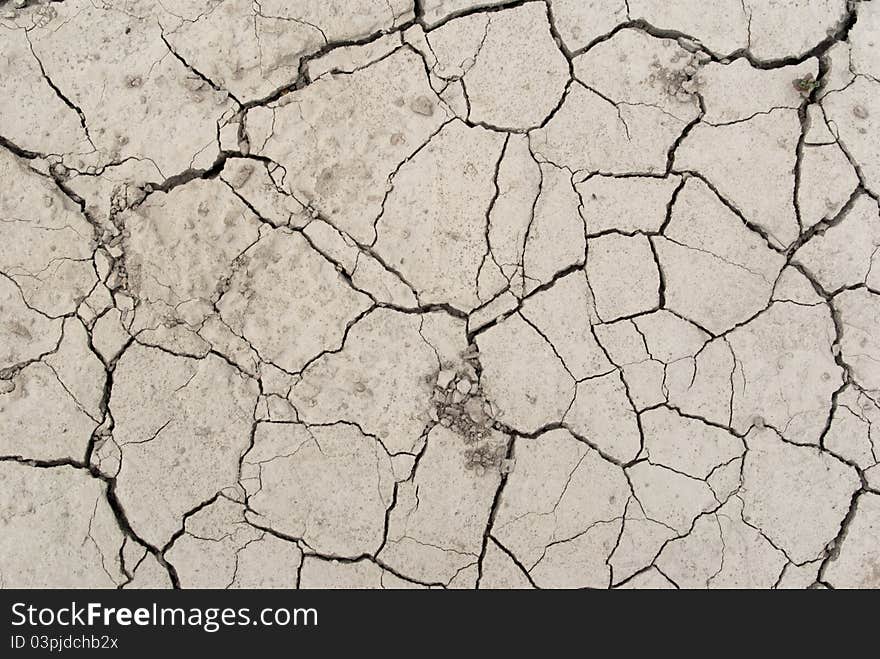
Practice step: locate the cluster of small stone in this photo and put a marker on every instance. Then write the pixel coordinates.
(482, 458)
(682, 83)
(121, 198)
(460, 405)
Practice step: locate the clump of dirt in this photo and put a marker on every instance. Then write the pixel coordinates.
(680, 83)
(459, 404)
(487, 456)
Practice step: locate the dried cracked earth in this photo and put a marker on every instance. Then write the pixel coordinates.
(563, 294)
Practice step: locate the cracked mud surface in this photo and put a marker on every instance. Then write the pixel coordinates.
(453, 293)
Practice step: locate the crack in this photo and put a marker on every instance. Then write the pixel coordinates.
(61, 96)
(198, 74)
(518, 282)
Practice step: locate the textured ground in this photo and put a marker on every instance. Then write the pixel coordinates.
(574, 293)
